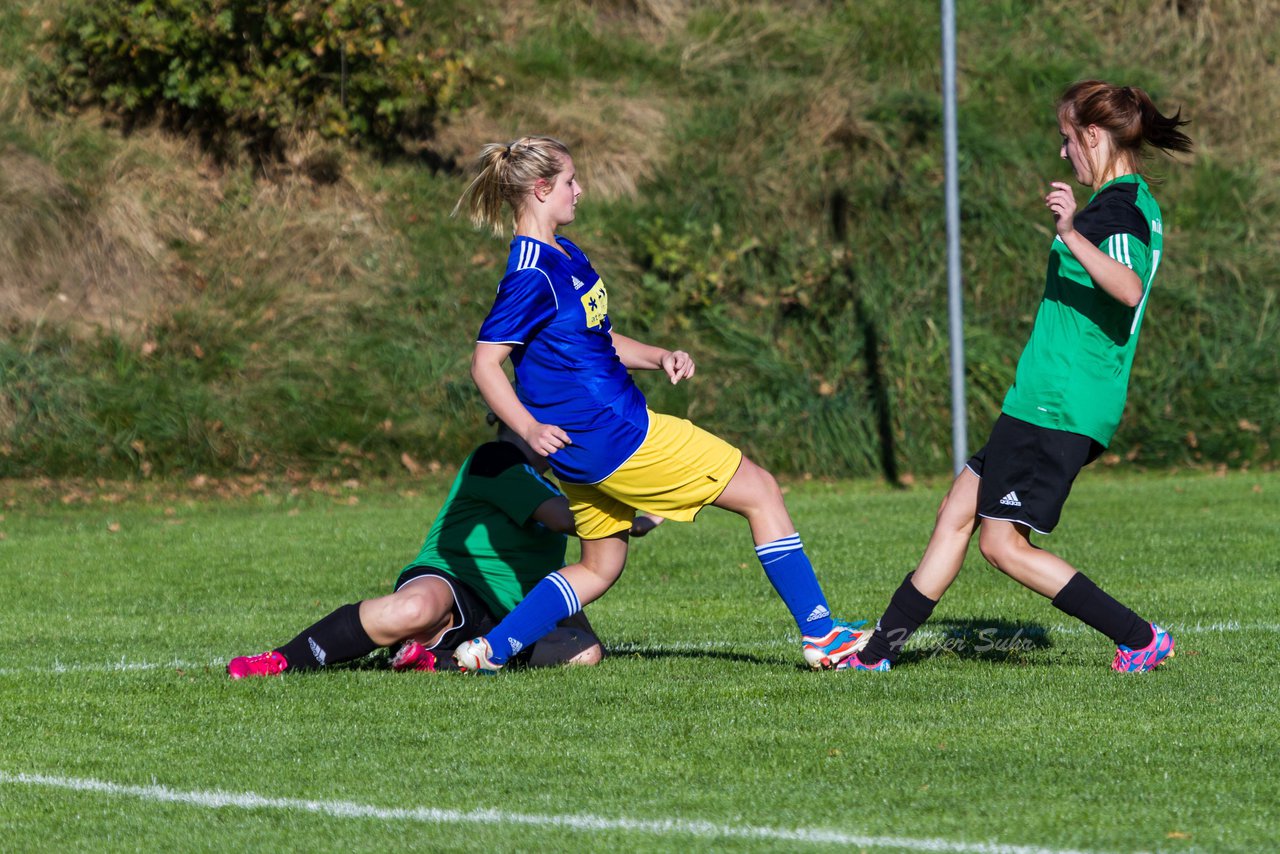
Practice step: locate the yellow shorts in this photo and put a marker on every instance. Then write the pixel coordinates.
(678, 469)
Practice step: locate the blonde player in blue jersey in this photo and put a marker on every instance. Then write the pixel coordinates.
(1070, 387)
(574, 401)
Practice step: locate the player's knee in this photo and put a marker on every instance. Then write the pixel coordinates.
(768, 484)
(958, 511)
(416, 611)
(1000, 545)
(993, 548)
(764, 486)
(606, 558)
(773, 494)
(953, 517)
(567, 645)
(588, 657)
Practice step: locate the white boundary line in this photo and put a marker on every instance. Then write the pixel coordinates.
(584, 823)
(121, 666)
(926, 635)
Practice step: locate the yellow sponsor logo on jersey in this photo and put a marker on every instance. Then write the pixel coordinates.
(596, 304)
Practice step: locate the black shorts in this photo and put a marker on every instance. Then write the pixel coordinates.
(471, 616)
(1027, 472)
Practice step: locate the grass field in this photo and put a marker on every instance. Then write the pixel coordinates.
(1002, 730)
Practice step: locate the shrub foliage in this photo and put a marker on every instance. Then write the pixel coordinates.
(243, 73)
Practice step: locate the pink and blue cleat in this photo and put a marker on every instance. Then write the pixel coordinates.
(855, 663)
(844, 639)
(1149, 657)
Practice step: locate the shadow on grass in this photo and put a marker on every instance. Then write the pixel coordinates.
(972, 639)
(625, 650)
(381, 659)
(980, 639)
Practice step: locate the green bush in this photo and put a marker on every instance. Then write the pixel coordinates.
(240, 73)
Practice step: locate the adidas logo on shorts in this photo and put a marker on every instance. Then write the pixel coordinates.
(1011, 500)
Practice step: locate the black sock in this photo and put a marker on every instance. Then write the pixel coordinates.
(1087, 602)
(908, 608)
(336, 638)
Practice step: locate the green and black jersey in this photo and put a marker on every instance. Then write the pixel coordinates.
(1074, 372)
(485, 535)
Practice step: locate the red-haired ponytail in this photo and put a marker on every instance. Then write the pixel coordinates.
(1127, 113)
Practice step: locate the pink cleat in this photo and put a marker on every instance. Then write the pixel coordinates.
(1149, 657)
(263, 664)
(414, 656)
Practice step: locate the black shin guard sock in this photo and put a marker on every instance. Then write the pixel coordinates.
(908, 608)
(333, 639)
(1087, 602)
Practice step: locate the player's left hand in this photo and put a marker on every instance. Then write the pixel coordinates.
(643, 524)
(1062, 202)
(678, 364)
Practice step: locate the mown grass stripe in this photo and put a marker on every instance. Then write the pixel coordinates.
(585, 823)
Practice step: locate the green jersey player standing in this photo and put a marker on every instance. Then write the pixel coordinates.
(1070, 387)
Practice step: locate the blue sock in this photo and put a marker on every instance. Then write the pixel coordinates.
(792, 576)
(550, 601)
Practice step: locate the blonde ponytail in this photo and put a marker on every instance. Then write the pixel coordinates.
(505, 174)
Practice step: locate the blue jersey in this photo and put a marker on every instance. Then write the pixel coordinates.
(553, 310)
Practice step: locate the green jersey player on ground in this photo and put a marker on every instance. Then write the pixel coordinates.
(502, 528)
(1070, 387)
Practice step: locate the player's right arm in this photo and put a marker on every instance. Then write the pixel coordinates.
(554, 514)
(497, 391)
(1112, 276)
(524, 303)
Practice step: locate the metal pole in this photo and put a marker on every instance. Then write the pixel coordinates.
(955, 305)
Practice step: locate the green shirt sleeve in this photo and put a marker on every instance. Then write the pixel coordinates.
(1131, 252)
(516, 491)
